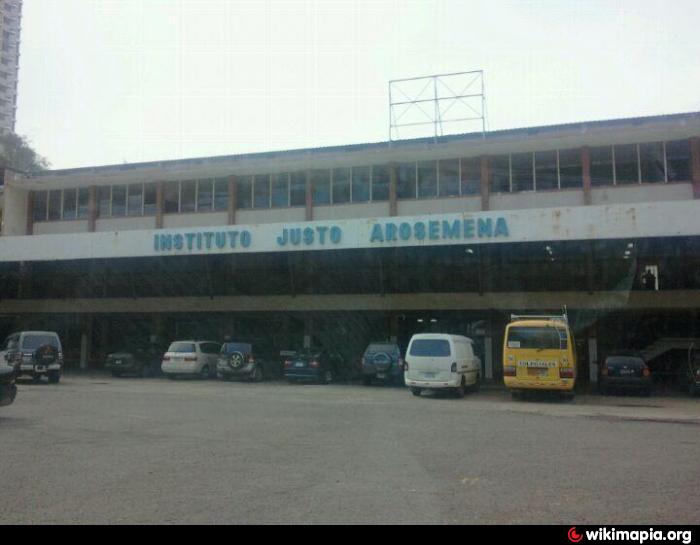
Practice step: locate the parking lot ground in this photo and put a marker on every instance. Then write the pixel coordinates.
(101, 450)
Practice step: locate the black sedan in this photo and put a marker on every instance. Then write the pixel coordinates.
(312, 366)
(134, 361)
(625, 372)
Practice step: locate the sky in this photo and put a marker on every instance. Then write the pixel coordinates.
(125, 81)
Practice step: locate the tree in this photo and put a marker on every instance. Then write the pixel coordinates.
(16, 153)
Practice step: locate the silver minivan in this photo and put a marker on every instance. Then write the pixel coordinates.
(438, 361)
(191, 358)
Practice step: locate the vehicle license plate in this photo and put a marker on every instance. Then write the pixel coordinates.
(118, 362)
(298, 364)
(538, 371)
(381, 375)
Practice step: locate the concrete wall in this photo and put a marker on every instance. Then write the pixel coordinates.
(447, 205)
(14, 220)
(350, 211)
(642, 193)
(60, 227)
(532, 199)
(275, 215)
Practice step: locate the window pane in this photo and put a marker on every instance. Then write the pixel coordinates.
(118, 200)
(380, 183)
(449, 178)
(471, 176)
(280, 190)
(360, 184)
(546, 170)
(221, 194)
(69, 204)
(427, 179)
(406, 181)
(626, 171)
(149, 199)
(601, 166)
(678, 160)
(188, 195)
(341, 185)
(297, 189)
(40, 205)
(171, 197)
(135, 202)
(83, 202)
(321, 180)
(521, 171)
(499, 168)
(651, 162)
(55, 205)
(244, 192)
(570, 168)
(104, 198)
(205, 195)
(261, 191)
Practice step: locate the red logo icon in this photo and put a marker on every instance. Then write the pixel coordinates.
(574, 536)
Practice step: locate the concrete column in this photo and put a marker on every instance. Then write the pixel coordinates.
(92, 208)
(308, 331)
(394, 328)
(85, 341)
(29, 230)
(309, 197)
(393, 205)
(593, 360)
(586, 171)
(488, 358)
(160, 205)
(485, 186)
(232, 193)
(695, 165)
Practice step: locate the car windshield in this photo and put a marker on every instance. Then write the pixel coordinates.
(430, 348)
(230, 348)
(182, 347)
(382, 348)
(32, 342)
(543, 338)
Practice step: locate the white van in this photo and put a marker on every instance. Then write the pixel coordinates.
(441, 361)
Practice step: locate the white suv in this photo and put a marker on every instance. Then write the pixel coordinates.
(193, 358)
(34, 354)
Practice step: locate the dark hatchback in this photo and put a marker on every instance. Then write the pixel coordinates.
(625, 372)
(382, 362)
(236, 361)
(135, 360)
(8, 390)
(312, 366)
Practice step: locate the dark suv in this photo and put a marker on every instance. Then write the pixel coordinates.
(8, 390)
(136, 359)
(236, 360)
(382, 362)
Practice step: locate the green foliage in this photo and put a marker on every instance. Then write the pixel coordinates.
(16, 153)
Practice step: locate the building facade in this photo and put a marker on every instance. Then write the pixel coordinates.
(10, 27)
(341, 246)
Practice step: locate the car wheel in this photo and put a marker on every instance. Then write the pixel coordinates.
(204, 373)
(54, 378)
(416, 391)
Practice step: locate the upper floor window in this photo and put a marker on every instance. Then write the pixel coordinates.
(244, 192)
(678, 161)
(651, 162)
(546, 171)
(522, 173)
(470, 176)
(360, 184)
(321, 183)
(602, 166)
(261, 191)
(449, 179)
(380, 183)
(297, 189)
(499, 170)
(205, 195)
(427, 179)
(341, 185)
(626, 164)
(406, 181)
(570, 168)
(134, 200)
(221, 196)
(280, 190)
(40, 205)
(70, 204)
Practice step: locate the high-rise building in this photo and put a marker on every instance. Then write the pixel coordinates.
(10, 23)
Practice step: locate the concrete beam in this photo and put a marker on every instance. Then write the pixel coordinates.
(611, 300)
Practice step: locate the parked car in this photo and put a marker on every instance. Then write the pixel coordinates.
(8, 389)
(134, 360)
(382, 362)
(191, 358)
(312, 366)
(34, 354)
(625, 372)
(694, 382)
(236, 361)
(437, 361)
